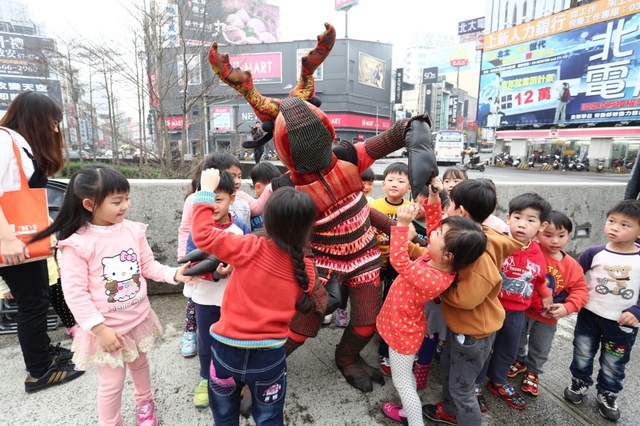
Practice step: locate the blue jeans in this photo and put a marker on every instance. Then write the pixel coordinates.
(206, 316)
(593, 332)
(263, 370)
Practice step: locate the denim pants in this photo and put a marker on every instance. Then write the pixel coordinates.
(206, 316)
(592, 333)
(263, 370)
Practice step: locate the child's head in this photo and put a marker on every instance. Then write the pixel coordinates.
(289, 215)
(528, 215)
(225, 196)
(453, 176)
(556, 235)
(261, 175)
(459, 242)
(425, 192)
(96, 194)
(395, 182)
(367, 178)
(623, 222)
(225, 162)
(473, 198)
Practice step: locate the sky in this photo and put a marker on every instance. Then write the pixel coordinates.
(388, 21)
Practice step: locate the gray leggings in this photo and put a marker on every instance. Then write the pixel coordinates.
(405, 383)
(538, 337)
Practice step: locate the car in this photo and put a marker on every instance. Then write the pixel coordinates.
(75, 155)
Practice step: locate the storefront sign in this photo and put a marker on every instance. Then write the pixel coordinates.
(345, 4)
(398, 85)
(265, 67)
(356, 121)
(471, 26)
(174, 122)
(585, 75)
(221, 117)
(429, 75)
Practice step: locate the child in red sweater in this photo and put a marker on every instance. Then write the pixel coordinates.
(523, 272)
(566, 281)
(248, 341)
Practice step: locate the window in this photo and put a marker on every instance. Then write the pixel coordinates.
(195, 71)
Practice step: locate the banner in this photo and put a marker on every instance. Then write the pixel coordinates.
(371, 71)
(265, 67)
(585, 75)
(571, 19)
(399, 78)
(428, 98)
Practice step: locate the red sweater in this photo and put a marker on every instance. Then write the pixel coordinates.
(566, 281)
(523, 273)
(262, 292)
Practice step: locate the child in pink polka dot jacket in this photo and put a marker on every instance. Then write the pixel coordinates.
(456, 243)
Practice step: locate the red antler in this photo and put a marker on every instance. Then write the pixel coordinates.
(311, 61)
(265, 108)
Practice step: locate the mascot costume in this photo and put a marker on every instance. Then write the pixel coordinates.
(343, 240)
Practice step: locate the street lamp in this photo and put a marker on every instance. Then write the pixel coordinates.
(377, 111)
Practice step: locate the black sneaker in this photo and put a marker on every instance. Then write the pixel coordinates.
(608, 405)
(482, 401)
(59, 354)
(56, 375)
(576, 392)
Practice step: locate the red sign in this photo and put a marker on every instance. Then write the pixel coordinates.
(355, 121)
(459, 62)
(345, 4)
(174, 122)
(472, 126)
(360, 135)
(265, 67)
(553, 133)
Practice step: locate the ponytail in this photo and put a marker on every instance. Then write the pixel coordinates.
(305, 304)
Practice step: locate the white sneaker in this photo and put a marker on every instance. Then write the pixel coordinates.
(327, 319)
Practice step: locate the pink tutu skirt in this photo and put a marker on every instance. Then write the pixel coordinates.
(88, 353)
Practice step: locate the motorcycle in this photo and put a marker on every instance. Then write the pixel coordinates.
(629, 164)
(556, 163)
(532, 162)
(474, 163)
(619, 162)
(516, 162)
(572, 164)
(600, 166)
(582, 165)
(508, 160)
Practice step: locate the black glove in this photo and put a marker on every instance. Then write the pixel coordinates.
(422, 160)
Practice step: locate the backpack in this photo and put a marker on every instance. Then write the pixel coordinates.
(566, 95)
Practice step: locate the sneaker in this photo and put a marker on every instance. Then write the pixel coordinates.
(394, 412)
(384, 365)
(189, 345)
(421, 373)
(72, 331)
(59, 354)
(516, 368)
(57, 374)
(342, 318)
(145, 414)
(608, 405)
(436, 413)
(201, 397)
(482, 401)
(327, 319)
(530, 383)
(576, 392)
(507, 393)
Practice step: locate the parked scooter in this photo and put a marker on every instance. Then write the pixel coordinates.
(508, 160)
(582, 165)
(556, 163)
(619, 162)
(474, 163)
(532, 162)
(572, 164)
(516, 162)
(600, 166)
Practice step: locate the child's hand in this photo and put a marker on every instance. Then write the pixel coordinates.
(547, 302)
(180, 277)
(209, 180)
(108, 339)
(436, 188)
(628, 319)
(406, 214)
(224, 270)
(556, 311)
(8, 295)
(412, 232)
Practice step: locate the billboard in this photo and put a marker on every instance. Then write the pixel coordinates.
(23, 55)
(345, 4)
(453, 58)
(585, 75)
(429, 75)
(572, 19)
(371, 71)
(221, 117)
(265, 67)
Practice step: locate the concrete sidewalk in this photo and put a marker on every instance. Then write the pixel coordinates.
(316, 395)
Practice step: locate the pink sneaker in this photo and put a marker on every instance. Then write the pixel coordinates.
(394, 412)
(145, 413)
(72, 331)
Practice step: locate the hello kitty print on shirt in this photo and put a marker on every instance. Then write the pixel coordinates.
(122, 273)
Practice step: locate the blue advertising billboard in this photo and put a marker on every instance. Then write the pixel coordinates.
(591, 74)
